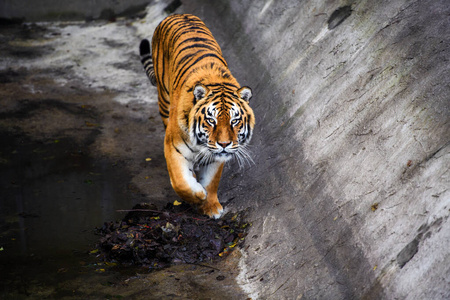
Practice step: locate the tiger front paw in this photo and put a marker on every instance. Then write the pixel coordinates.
(194, 193)
(213, 209)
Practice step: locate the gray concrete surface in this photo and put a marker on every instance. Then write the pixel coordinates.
(57, 10)
(80, 140)
(349, 194)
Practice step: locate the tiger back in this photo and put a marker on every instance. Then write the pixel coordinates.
(205, 111)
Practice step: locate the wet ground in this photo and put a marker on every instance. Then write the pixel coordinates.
(81, 140)
(157, 238)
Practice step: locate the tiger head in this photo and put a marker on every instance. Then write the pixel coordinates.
(221, 123)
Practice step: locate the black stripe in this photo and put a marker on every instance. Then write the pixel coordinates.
(190, 149)
(177, 149)
(146, 58)
(198, 39)
(218, 84)
(161, 31)
(164, 104)
(144, 47)
(167, 23)
(163, 110)
(248, 130)
(222, 84)
(197, 45)
(195, 129)
(188, 29)
(162, 115)
(162, 75)
(186, 58)
(181, 30)
(161, 98)
(147, 63)
(231, 95)
(177, 81)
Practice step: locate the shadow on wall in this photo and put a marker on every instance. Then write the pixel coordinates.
(350, 147)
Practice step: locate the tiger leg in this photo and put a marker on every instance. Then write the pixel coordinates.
(209, 178)
(181, 174)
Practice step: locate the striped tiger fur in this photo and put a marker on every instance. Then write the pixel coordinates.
(205, 111)
(147, 61)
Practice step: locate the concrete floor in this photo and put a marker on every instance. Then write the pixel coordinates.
(81, 138)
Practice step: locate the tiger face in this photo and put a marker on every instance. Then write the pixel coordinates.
(222, 124)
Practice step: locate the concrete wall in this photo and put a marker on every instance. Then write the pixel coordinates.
(349, 195)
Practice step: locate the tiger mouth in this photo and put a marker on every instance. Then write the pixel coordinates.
(224, 153)
(221, 153)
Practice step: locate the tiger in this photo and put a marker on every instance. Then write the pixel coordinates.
(206, 113)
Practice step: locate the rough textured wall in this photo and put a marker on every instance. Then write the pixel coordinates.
(349, 194)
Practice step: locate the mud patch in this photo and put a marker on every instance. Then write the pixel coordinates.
(157, 239)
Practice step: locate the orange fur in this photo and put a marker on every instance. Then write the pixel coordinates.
(205, 111)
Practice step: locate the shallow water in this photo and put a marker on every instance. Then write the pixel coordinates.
(54, 194)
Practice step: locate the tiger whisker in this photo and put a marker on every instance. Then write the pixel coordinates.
(243, 156)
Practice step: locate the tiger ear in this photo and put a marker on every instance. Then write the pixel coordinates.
(200, 91)
(245, 93)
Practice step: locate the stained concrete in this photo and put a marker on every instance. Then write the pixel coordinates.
(348, 196)
(350, 189)
(55, 10)
(81, 140)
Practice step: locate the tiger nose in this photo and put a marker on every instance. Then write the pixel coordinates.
(224, 144)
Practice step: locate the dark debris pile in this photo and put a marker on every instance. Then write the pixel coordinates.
(156, 239)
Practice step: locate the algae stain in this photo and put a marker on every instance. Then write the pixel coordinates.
(339, 16)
